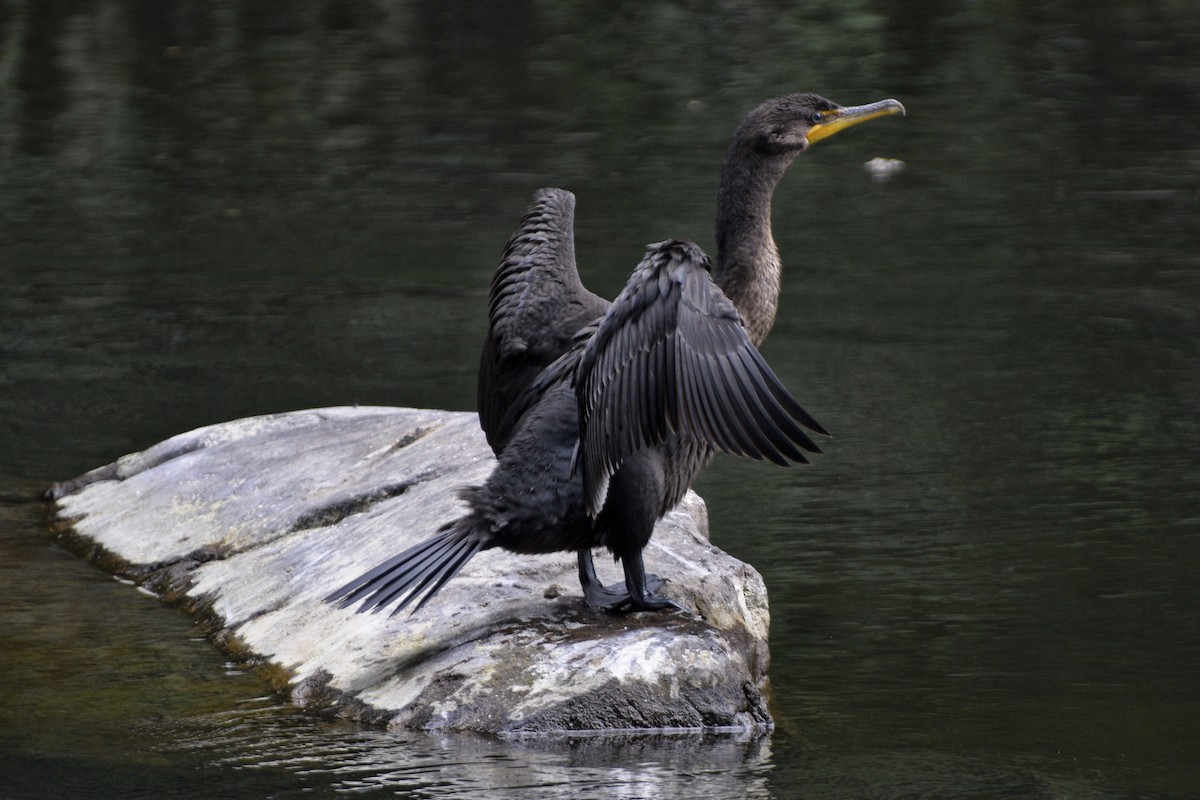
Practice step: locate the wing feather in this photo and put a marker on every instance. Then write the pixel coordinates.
(738, 401)
(671, 357)
(769, 393)
(535, 306)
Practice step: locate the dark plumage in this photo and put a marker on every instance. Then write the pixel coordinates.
(602, 415)
(671, 360)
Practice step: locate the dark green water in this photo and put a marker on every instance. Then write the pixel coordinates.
(987, 588)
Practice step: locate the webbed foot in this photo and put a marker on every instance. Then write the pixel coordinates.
(616, 597)
(642, 596)
(649, 601)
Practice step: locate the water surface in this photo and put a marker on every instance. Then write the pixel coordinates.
(985, 588)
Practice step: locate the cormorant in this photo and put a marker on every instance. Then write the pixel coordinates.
(602, 415)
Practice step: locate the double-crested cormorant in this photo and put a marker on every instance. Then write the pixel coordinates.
(602, 415)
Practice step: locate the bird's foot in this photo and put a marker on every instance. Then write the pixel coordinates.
(617, 597)
(649, 601)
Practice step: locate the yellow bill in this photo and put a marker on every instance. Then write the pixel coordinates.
(842, 118)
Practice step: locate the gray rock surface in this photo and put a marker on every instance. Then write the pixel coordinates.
(251, 523)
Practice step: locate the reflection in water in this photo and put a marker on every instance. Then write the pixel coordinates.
(347, 759)
(985, 589)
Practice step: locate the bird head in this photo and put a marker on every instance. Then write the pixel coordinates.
(788, 125)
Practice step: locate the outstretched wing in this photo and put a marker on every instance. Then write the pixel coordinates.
(536, 305)
(671, 356)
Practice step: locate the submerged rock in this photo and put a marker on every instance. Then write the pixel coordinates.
(250, 523)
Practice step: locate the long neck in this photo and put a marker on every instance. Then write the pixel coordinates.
(748, 267)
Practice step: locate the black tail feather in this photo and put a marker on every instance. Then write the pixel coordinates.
(446, 569)
(376, 580)
(411, 566)
(419, 572)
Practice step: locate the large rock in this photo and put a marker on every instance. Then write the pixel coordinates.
(251, 523)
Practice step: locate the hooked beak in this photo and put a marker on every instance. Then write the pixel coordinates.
(842, 118)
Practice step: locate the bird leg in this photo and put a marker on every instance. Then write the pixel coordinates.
(642, 596)
(616, 597)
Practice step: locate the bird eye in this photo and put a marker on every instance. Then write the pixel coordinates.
(815, 117)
